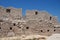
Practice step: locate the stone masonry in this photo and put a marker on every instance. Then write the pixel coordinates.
(12, 23)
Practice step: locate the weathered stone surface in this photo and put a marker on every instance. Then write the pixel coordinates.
(12, 23)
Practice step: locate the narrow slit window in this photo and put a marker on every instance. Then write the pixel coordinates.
(0, 27)
(10, 28)
(27, 27)
(14, 24)
(54, 30)
(50, 17)
(8, 10)
(36, 13)
(41, 30)
(47, 30)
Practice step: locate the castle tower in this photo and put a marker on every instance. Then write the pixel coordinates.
(10, 13)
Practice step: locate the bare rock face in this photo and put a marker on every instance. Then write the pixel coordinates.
(12, 23)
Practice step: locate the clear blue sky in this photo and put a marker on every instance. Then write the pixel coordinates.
(52, 6)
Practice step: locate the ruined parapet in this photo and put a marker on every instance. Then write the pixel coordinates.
(41, 15)
(35, 14)
(10, 12)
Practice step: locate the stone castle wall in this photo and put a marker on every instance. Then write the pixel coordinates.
(10, 12)
(35, 22)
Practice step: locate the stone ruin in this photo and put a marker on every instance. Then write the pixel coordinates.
(35, 22)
